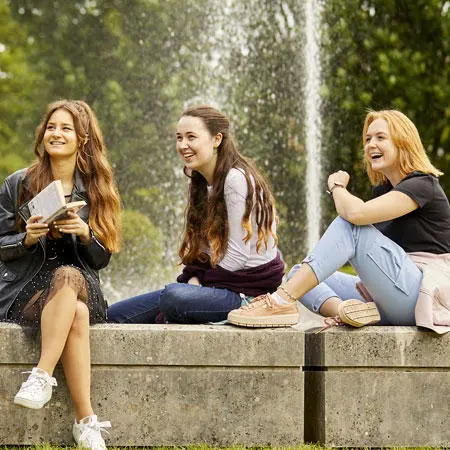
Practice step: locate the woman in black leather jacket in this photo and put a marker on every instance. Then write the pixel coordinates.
(48, 274)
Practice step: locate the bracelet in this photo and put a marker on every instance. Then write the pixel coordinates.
(284, 290)
(335, 185)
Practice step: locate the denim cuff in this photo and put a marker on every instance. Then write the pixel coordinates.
(312, 262)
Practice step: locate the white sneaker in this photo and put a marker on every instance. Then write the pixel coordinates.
(36, 391)
(88, 433)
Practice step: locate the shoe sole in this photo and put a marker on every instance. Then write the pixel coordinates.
(287, 320)
(357, 314)
(26, 403)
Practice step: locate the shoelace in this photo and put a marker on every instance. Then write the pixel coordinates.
(331, 322)
(265, 298)
(35, 383)
(94, 427)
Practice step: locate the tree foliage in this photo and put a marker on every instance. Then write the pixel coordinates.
(385, 54)
(140, 63)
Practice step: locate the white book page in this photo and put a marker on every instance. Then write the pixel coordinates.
(48, 200)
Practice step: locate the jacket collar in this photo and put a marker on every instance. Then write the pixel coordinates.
(78, 183)
(79, 191)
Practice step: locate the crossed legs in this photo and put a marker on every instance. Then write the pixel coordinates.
(389, 275)
(65, 335)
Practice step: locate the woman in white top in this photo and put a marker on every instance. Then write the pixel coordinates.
(229, 247)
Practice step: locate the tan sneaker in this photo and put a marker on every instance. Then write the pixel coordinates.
(357, 313)
(263, 311)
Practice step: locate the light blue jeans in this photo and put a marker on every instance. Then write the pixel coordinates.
(387, 272)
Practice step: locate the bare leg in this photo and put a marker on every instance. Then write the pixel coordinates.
(330, 306)
(76, 361)
(302, 282)
(56, 320)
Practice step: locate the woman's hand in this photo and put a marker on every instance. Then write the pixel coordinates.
(35, 230)
(74, 224)
(341, 178)
(195, 281)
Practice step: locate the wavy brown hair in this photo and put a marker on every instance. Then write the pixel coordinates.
(93, 165)
(206, 218)
(406, 138)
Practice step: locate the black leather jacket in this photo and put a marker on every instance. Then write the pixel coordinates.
(18, 264)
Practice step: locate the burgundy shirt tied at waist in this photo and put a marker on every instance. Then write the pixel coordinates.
(252, 282)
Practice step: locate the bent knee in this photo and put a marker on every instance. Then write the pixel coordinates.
(68, 272)
(68, 276)
(174, 298)
(81, 317)
(339, 220)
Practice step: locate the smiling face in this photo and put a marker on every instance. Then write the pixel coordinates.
(380, 150)
(60, 139)
(196, 146)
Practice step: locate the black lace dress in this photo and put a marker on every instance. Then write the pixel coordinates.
(61, 270)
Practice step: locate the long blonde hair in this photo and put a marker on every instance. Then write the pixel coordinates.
(93, 165)
(404, 135)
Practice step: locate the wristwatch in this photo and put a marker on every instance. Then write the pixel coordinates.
(335, 185)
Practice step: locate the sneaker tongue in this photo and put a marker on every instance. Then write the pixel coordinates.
(88, 419)
(41, 372)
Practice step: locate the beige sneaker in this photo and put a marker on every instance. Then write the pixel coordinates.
(357, 313)
(263, 311)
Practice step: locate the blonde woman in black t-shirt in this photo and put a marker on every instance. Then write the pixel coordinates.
(409, 213)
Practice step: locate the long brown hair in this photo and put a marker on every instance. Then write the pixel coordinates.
(206, 218)
(93, 165)
(406, 138)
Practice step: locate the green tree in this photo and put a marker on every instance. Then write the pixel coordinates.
(382, 54)
(140, 63)
(20, 86)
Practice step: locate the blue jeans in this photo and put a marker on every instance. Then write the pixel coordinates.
(178, 302)
(387, 272)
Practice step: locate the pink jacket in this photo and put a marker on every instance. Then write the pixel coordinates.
(433, 305)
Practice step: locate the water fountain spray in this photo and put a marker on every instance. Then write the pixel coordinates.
(313, 122)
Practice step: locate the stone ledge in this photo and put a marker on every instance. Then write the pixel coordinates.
(179, 345)
(168, 385)
(222, 385)
(378, 347)
(377, 387)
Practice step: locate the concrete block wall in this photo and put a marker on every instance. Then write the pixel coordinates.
(222, 385)
(377, 387)
(168, 385)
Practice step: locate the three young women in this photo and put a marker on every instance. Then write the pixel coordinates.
(49, 274)
(229, 247)
(398, 243)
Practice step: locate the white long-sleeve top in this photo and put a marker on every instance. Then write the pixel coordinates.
(241, 255)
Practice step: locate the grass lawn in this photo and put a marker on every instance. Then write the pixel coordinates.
(204, 447)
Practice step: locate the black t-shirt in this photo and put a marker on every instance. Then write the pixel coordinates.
(426, 229)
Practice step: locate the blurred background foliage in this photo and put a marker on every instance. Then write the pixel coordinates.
(140, 63)
(385, 54)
